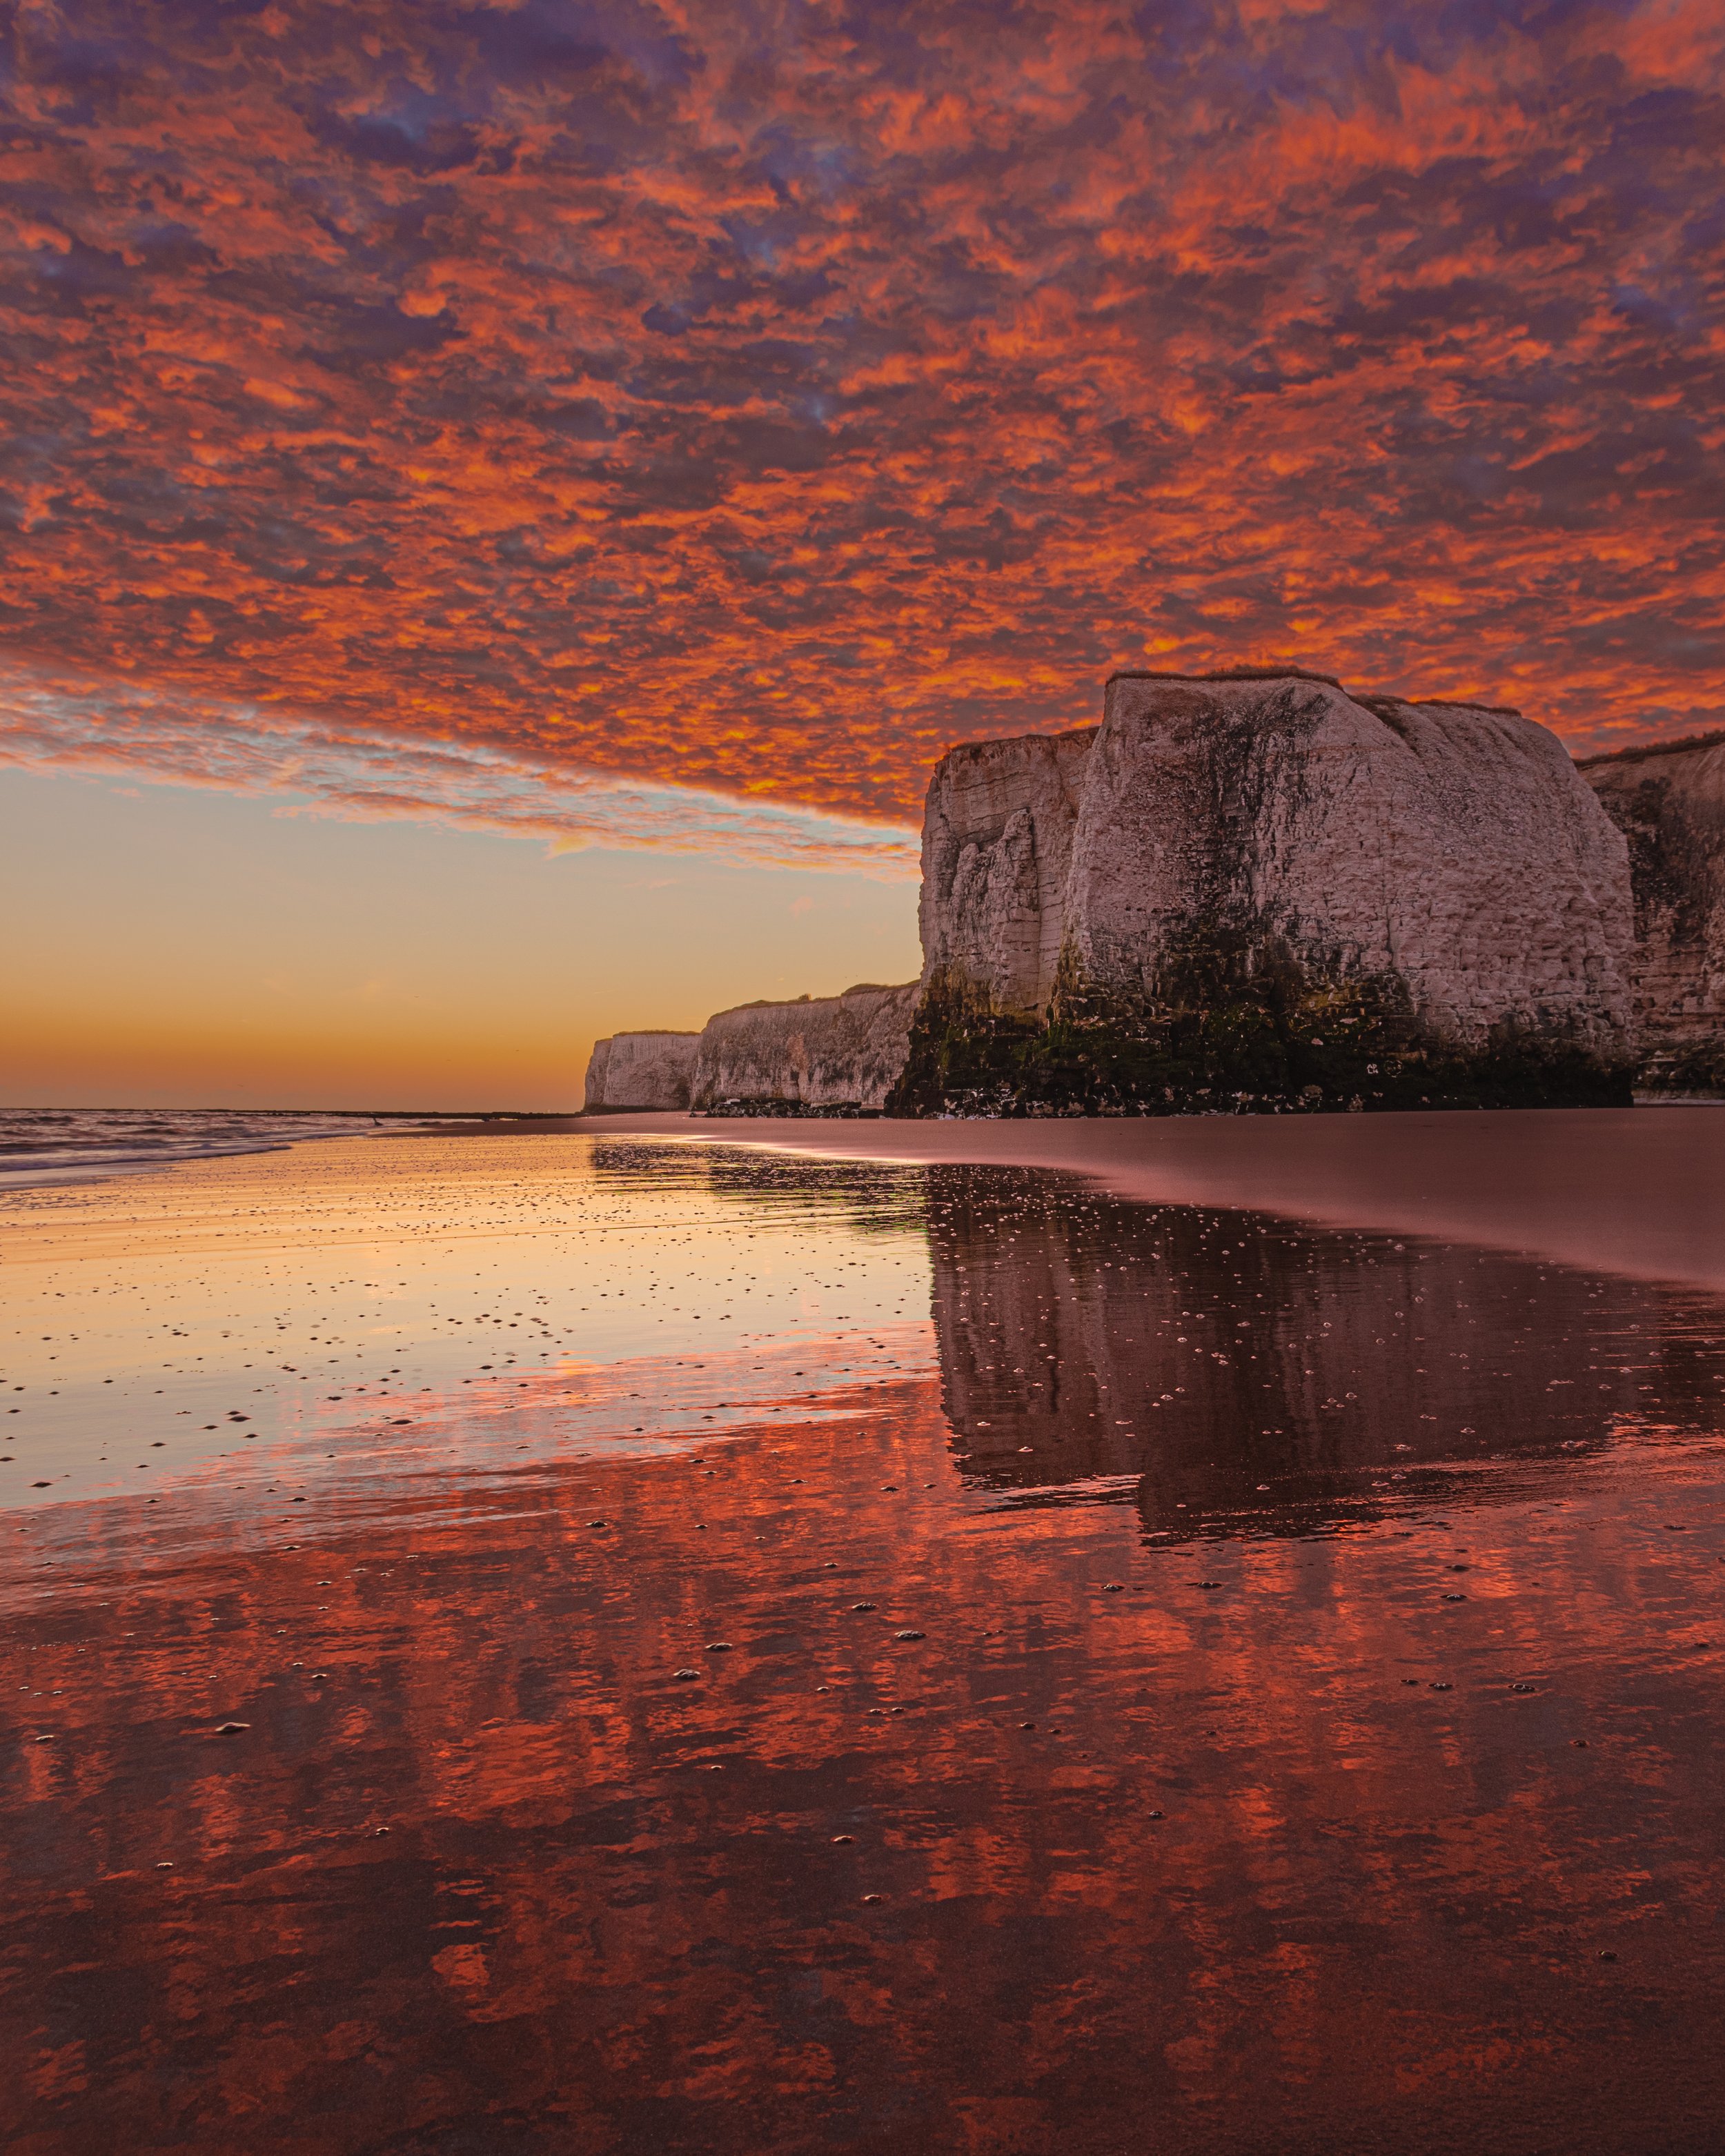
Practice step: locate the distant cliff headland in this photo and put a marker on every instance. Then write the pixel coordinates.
(1252, 892)
(819, 1055)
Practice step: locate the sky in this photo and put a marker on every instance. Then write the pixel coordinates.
(178, 947)
(563, 446)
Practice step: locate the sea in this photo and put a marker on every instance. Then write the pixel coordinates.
(73, 1145)
(571, 1644)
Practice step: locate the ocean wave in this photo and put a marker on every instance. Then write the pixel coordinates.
(59, 1145)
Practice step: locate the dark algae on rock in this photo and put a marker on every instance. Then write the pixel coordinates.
(1232, 1028)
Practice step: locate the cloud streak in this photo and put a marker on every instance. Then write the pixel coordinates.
(56, 722)
(757, 399)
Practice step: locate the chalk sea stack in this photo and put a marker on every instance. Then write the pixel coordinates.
(824, 1055)
(1256, 893)
(1669, 802)
(639, 1070)
(829, 1055)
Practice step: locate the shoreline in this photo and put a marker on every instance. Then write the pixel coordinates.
(1620, 1190)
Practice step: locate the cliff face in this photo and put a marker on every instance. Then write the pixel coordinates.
(1242, 871)
(1452, 846)
(1670, 804)
(637, 1070)
(819, 1052)
(997, 853)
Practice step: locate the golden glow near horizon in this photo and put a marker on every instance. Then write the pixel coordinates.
(184, 949)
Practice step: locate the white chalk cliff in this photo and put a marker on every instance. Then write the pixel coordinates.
(638, 1070)
(1452, 848)
(1254, 891)
(818, 1052)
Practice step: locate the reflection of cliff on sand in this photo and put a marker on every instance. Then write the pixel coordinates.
(1214, 1353)
(852, 1194)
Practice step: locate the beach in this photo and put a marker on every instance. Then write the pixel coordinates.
(1637, 1191)
(895, 1637)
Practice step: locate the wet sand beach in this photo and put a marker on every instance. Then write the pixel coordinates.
(1640, 1191)
(623, 1641)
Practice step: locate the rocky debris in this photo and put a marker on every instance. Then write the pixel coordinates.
(632, 1071)
(822, 1054)
(1255, 892)
(1669, 802)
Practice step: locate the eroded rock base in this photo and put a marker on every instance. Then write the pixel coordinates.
(1229, 1033)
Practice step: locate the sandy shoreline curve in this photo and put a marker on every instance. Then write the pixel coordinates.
(1634, 1191)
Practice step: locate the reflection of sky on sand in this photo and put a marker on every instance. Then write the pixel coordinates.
(951, 1747)
(1288, 1854)
(349, 1291)
(382, 1310)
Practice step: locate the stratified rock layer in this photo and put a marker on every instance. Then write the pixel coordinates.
(1670, 804)
(1201, 900)
(823, 1053)
(639, 1070)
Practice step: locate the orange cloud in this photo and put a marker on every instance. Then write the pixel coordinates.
(759, 404)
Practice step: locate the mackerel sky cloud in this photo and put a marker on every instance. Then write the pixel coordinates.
(757, 399)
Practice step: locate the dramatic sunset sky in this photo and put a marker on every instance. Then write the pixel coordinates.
(503, 503)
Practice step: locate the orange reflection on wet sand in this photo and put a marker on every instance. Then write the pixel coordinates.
(940, 1763)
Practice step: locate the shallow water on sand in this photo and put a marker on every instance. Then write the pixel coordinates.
(734, 1652)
